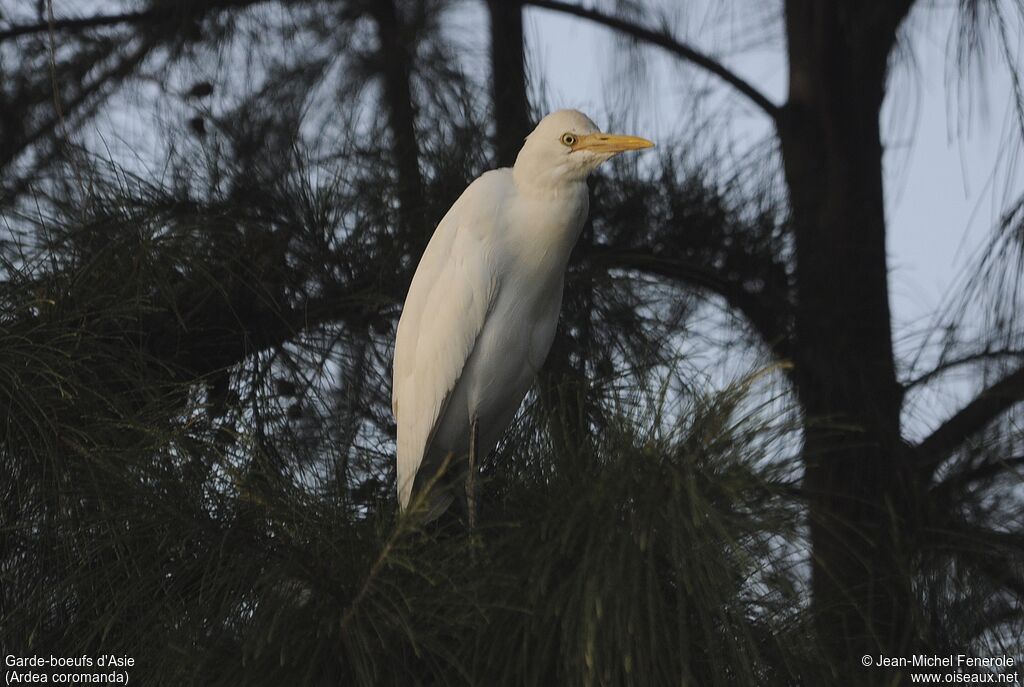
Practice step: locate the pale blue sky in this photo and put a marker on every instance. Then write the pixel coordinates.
(939, 182)
(947, 177)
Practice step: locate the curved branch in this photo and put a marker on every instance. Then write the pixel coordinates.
(755, 307)
(664, 40)
(957, 362)
(972, 418)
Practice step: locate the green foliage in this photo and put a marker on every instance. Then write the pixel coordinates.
(130, 527)
(223, 517)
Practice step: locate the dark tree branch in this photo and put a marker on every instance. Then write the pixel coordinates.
(155, 15)
(978, 473)
(964, 360)
(85, 23)
(198, 334)
(972, 418)
(767, 321)
(666, 41)
(79, 105)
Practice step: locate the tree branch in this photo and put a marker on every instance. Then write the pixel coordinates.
(153, 15)
(84, 23)
(664, 40)
(89, 94)
(979, 473)
(964, 360)
(973, 417)
(768, 323)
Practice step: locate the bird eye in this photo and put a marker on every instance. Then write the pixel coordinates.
(569, 139)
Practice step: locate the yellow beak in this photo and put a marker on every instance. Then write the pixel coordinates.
(610, 143)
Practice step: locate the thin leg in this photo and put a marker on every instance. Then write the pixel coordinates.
(474, 431)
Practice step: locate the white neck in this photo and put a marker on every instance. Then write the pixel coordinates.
(536, 175)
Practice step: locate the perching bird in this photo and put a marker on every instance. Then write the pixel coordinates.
(482, 308)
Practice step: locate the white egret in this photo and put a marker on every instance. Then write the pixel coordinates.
(481, 312)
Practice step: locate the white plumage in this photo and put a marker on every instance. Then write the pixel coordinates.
(483, 304)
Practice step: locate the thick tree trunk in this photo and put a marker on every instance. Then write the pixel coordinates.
(855, 464)
(508, 79)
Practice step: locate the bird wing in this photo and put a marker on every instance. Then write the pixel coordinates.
(451, 293)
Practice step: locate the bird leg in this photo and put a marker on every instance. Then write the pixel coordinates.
(474, 431)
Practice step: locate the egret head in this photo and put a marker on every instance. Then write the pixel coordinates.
(567, 146)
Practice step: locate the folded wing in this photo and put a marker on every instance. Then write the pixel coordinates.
(445, 311)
